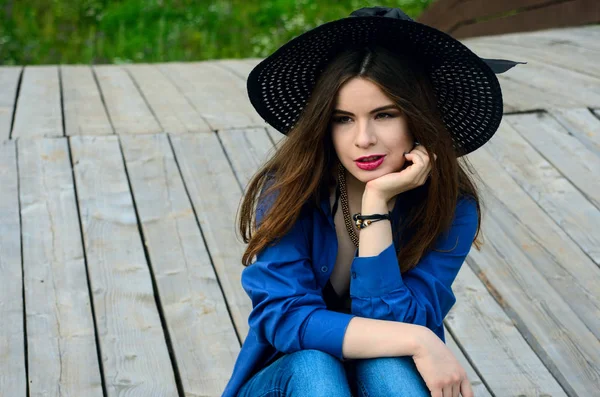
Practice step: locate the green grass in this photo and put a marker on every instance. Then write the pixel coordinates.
(130, 31)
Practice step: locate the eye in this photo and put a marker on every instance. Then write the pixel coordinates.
(340, 119)
(389, 116)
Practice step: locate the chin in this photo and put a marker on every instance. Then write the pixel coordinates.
(366, 176)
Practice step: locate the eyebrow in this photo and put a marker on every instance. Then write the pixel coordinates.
(379, 109)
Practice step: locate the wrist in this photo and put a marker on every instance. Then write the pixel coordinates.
(373, 201)
(422, 337)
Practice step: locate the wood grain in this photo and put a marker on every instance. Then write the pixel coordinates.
(216, 195)
(239, 67)
(13, 380)
(9, 82)
(38, 106)
(215, 93)
(564, 265)
(582, 124)
(566, 153)
(489, 338)
(563, 342)
(555, 194)
(202, 334)
(134, 352)
(61, 344)
(530, 48)
(128, 111)
(247, 149)
(580, 88)
(82, 102)
(479, 388)
(170, 106)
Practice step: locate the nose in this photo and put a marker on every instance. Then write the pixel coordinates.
(365, 135)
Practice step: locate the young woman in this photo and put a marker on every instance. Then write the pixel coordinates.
(364, 215)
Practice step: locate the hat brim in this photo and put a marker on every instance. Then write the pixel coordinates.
(468, 93)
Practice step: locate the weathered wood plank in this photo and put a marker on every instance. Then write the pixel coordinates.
(216, 195)
(38, 106)
(580, 88)
(12, 343)
(581, 124)
(564, 152)
(127, 109)
(581, 36)
(479, 388)
(582, 60)
(175, 113)
(276, 136)
(253, 61)
(566, 267)
(82, 103)
(237, 66)
(215, 93)
(501, 355)
(519, 96)
(563, 342)
(202, 334)
(9, 81)
(134, 353)
(61, 344)
(569, 209)
(247, 149)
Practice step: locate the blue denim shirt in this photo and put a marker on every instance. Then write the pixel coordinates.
(286, 281)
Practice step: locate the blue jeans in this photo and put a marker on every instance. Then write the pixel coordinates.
(317, 374)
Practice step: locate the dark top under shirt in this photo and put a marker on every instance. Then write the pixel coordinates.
(331, 298)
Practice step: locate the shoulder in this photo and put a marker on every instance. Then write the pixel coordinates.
(459, 237)
(266, 200)
(466, 210)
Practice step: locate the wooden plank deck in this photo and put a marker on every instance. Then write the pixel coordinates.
(121, 259)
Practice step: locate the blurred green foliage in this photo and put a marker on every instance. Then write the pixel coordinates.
(124, 31)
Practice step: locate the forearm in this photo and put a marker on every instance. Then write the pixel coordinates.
(378, 235)
(369, 338)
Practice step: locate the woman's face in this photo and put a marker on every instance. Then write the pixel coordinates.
(366, 122)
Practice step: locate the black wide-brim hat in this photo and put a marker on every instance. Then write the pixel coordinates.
(468, 93)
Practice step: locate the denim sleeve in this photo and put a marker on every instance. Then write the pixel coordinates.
(288, 308)
(423, 295)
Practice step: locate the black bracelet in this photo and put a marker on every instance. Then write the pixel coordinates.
(363, 221)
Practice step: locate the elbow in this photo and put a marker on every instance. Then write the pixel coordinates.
(282, 330)
(427, 314)
(409, 310)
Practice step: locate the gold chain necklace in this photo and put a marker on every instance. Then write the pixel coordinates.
(345, 207)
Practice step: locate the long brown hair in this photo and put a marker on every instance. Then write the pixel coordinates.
(304, 164)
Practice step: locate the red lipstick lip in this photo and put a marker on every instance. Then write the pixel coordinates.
(370, 155)
(371, 165)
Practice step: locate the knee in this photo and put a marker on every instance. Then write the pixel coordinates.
(390, 376)
(316, 373)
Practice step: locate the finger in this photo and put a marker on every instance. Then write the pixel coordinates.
(422, 153)
(437, 393)
(416, 158)
(447, 390)
(456, 389)
(424, 166)
(416, 168)
(465, 389)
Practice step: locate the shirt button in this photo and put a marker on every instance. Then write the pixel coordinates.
(323, 269)
(353, 274)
